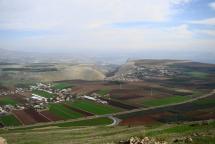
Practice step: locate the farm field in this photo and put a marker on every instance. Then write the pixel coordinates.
(8, 101)
(93, 107)
(51, 116)
(165, 101)
(197, 74)
(9, 120)
(103, 91)
(195, 111)
(61, 111)
(62, 85)
(43, 93)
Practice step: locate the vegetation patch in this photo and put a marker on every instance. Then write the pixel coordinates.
(61, 86)
(93, 107)
(90, 122)
(43, 93)
(183, 128)
(196, 74)
(61, 111)
(165, 101)
(8, 101)
(9, 120)
(203, 102)
(103, 92)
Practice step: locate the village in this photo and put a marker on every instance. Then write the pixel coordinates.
(40, 96)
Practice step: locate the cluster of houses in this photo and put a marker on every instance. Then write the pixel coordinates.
(94, 99)
(143, 72)
(39, 102)
(5, 109)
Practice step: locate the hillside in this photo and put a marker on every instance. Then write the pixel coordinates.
(148, 69)
(198, 132)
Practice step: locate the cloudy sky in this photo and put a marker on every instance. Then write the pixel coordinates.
(173, 27)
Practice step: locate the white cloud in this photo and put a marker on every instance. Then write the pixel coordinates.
(212, 5)
(206, 32)
(84, 24)
(210, 21)
(49, 14)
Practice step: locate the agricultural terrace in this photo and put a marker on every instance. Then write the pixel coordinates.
(7, 101)
(93, 107)
(61, 86)
(165, 101)
(9, 120)
(61, 111)
(43, 93)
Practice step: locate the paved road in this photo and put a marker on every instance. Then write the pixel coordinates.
(113, 116)
(116, 121)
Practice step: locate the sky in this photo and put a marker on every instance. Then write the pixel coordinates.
(148, 28)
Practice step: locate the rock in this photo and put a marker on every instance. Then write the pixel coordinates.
(188, 140)
(145, 140)
(2, 141)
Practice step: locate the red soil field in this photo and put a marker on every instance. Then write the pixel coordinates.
(205, 116)
(145, 120)
(24, 117)
(50, 116)
(160, 114)
(37, 116)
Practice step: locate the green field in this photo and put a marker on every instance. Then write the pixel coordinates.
(43, 93)
(90, 122)
(63, 112)
(9, 120)
(8, 101)
(165, 101)
(203, 102)
(103, 92)
(196, 74)
(61, 86)
(93, 107)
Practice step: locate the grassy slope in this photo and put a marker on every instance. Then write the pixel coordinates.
(93, 107)
(90, 122)
(103, 121)
(9, 120)
(98, 135)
